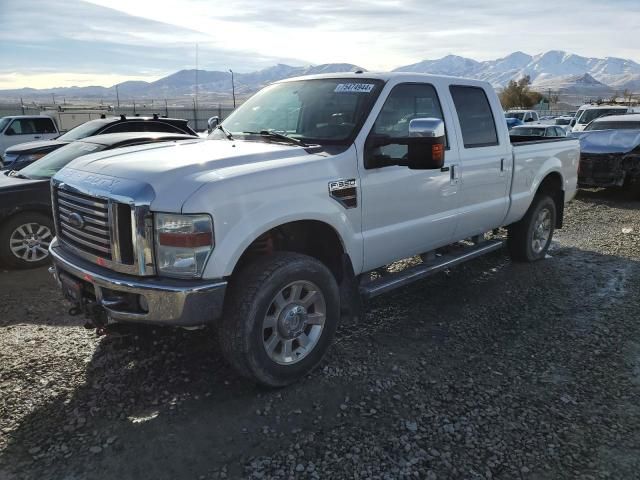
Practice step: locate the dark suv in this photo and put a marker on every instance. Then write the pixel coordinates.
(19, 156)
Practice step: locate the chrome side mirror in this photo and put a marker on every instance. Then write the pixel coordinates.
(212, 123)
(426, 127)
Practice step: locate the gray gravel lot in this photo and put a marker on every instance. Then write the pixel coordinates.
(492, 370)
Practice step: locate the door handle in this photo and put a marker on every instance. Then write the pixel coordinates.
(502, 164)
(37, 137)
(444, 169)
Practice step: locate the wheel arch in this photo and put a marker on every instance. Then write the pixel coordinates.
(315, 238)
(552, 184)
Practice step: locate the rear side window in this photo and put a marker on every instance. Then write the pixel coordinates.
(162, 127)
(475, 116)
(121, 127)
(142, 126)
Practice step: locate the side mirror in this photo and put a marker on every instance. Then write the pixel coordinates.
(572, 122)
(212, 123)
(425, 146)
(426, 143)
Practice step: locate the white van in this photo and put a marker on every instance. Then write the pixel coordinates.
(22, 128)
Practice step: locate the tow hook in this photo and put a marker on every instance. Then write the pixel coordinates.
(95, 314)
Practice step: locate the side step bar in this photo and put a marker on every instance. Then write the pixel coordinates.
(409, 275)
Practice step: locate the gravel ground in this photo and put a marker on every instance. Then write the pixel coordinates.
(492, 370)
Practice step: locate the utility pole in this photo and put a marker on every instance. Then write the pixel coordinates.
(233, 89)
(22, 105)
(53, 96)
(166, 108)
(117, 97)
(195, 102)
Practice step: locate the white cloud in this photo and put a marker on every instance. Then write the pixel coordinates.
(134, 38)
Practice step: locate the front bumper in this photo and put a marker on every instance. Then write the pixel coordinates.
(184, 303)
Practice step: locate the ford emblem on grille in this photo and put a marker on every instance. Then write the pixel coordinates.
(76, 220)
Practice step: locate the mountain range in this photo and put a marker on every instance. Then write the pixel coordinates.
(554, 70)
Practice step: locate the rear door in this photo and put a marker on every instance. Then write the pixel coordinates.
(485, 157)
(406, 212)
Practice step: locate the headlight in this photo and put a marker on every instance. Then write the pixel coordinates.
(183, 244)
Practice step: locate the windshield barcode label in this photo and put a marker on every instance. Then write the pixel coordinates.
(354, 88)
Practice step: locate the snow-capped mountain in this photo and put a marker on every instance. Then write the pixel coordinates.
(554, 69)
(183, 83)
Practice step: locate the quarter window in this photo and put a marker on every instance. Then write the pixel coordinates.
(474, 114)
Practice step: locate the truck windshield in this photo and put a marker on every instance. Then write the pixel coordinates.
(528, 131)
(3, 123)
(518, 115)
(49, 165)
(322, 111)
(593, 113)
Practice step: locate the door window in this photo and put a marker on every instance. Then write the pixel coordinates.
(405, 102)
(475, 116)
(22, 126)
(44, 125)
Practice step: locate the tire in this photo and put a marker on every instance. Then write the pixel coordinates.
(25, 239)
(255, 326)
(528, 241)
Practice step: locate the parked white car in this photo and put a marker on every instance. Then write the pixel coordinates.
(283, 220)
(525, 116)
(24, 128)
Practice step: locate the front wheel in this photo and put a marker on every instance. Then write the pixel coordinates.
(25, 239)
(280, 316)
(530, 238)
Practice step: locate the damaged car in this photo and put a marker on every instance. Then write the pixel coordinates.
(610, 152)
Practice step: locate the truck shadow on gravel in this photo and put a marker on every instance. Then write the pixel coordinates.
(161, 403)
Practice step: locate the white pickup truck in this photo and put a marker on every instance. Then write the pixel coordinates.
(284, 219)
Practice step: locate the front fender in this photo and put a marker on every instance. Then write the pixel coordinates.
(234, 238)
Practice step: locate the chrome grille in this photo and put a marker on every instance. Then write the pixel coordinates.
(83, 222)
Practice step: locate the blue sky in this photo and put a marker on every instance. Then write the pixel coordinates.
(47, 43)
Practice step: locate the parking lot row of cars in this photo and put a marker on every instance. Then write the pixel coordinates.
(26, 225)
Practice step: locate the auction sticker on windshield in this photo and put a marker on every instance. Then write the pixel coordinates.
(354, 88)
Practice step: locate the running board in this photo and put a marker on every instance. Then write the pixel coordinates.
(392, 281)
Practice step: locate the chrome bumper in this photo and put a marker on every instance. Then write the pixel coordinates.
(168, 301)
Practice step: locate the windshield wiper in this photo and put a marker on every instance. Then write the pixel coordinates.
(279, 136)
(226, 132)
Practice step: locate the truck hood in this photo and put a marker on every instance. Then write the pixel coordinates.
(608, 141)
(175, 170)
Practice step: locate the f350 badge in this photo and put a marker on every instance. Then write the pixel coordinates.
(345, 192)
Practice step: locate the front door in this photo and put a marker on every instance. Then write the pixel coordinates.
(406, 212)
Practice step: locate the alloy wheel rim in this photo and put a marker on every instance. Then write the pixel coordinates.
(294, 322)
(30, 242)
(541, 230)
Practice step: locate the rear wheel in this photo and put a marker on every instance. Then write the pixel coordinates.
(280, 316)
(530, 238)
(25, 239)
